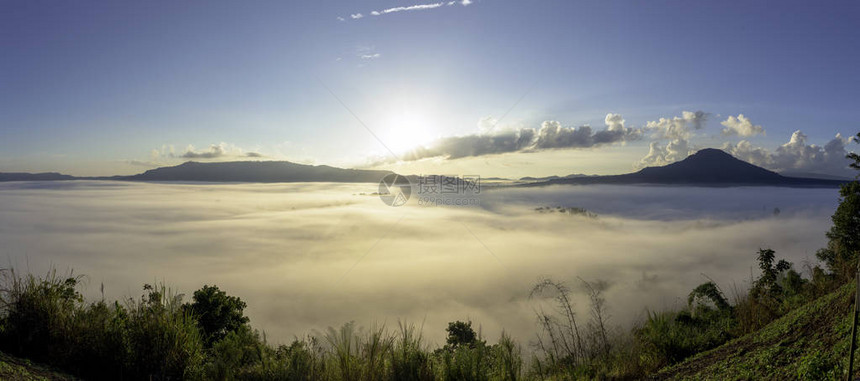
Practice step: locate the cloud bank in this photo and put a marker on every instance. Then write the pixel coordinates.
(287, 249)
(797, 155)
(550, 135)
(214, 152)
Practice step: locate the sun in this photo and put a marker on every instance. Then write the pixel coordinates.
(407, 129)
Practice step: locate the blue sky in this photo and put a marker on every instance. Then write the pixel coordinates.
(109, 88)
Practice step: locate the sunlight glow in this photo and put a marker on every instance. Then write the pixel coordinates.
(406, 129)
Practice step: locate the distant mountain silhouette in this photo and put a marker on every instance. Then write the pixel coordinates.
(235, 171)
(48, 176)
(711, 167)
(258, 172)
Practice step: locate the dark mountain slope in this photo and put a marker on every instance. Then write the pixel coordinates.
(258, 171)
(49, 176)
(708, 167)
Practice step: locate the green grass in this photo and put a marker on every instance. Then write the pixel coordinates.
(808, 343)
(158, 337)
(18, 369)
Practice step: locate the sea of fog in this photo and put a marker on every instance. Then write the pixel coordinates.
(308, 256)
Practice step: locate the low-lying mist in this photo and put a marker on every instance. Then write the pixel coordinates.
(308, 256)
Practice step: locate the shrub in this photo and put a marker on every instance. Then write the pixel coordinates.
(164, 342)
(217, 313)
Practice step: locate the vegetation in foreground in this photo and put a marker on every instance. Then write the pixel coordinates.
(784, 327)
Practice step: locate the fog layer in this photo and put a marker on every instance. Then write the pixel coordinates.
(308, 256)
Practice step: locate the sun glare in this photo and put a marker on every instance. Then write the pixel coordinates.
(406, 129)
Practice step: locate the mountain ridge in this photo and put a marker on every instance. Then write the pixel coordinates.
(707, 167)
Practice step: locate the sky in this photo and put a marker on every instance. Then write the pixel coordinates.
(496, 88)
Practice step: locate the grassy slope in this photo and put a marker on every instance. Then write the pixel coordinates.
(808, 343)
(17, 369)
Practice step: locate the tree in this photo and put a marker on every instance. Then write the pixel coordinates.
(461, 334)
(855, 157)
(767, 284)
(217, 313)
(843, 246)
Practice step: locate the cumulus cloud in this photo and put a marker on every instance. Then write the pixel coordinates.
(678, 130)
(658, 155)
(741, 126)
(214, 151)
(356, 16)
(370, 56)
(797, 155)
(550, 135)
(679, 127)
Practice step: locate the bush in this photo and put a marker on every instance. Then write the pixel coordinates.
(163, 339)
(217, 313)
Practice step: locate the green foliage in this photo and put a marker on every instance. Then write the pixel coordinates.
(460, 334)
(709, 291)
(163, 339)
(217, 313)
(38, 315)
(46, 319)
(817, 366)
(840, 255)
(668, 337)
(766, 284)
(855, 157)
(240, 349)
(410, 360)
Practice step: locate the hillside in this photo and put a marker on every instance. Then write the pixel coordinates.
(18, 369)
(801, 345)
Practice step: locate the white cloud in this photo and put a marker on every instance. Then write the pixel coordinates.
(340, 18)
(741, 126)
(167, 153)
(550, 135)
(679, 127)
(675, 150)
(614, 122)
(415, 7)
(797, 155)
(678, 130)
(370, 56)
